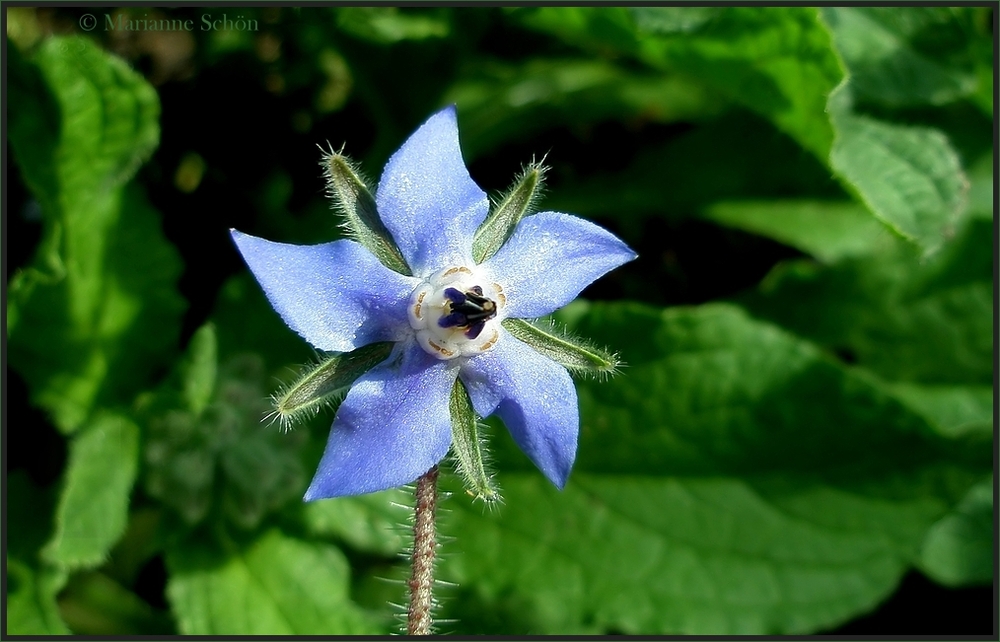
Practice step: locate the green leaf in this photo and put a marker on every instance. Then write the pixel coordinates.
(106, 123)
(199, 368)
(958, 550)
(879, 46)
(376, 522)
(648, 555)
(777, 61)
(688, 371)
(828, 230)
(909, 177)
(734, 480)
(277, 585)
(952, 410)
(31, 607)
(98, 309)
(927, 321)
(93, 509)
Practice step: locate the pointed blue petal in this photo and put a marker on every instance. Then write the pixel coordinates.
(550, 258)
(427, 199)
(336, 295)
(536, 399)
(392, 427)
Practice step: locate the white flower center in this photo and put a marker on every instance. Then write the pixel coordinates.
(456, 314)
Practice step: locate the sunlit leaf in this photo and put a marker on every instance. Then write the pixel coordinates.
(909, 177)
(98, 308)
(93, 509)
(277, 585)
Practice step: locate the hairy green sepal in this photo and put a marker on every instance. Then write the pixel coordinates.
(468, 446)
(506, 214)
(354, 201)
(320, 384)
(575, 354)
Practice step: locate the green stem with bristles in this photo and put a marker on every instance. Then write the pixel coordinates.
(421, 583)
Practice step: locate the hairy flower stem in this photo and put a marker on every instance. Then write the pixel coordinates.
(418, 616)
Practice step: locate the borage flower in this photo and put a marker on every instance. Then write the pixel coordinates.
(429, 300)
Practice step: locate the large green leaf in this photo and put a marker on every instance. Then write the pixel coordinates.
(277, 585)
(707, 501)
(778, 62)
(687, 370)
(91, 318)
(643, 554)
(93, 509)
(903, 56)
(927, 321)
(909, 177)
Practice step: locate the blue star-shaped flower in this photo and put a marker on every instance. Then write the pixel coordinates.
(445, 320)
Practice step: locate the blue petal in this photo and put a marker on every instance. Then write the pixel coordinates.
(336, 295)
(536, 399)
(550, 258)
(427, 199)
(393, 426)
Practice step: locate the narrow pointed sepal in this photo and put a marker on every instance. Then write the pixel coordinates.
(469, 447)
(320, 384)
(354, 202)
(507, 213)
(573, 353)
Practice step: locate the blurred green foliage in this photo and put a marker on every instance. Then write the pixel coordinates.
(807, 408)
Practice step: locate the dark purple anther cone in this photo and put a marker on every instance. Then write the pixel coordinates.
(452, 320)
